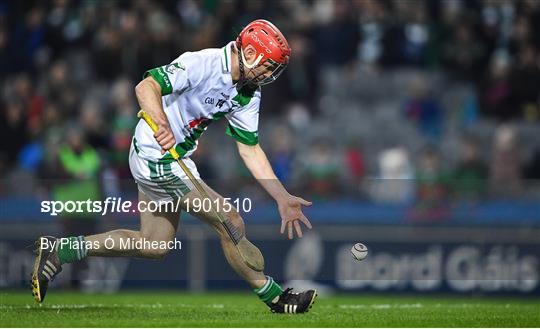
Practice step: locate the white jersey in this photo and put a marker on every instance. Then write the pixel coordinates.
(197, 89)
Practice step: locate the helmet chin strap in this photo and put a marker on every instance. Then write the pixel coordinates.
(243, 81)
(255, 63)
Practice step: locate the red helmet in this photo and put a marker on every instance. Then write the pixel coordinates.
(272, 49)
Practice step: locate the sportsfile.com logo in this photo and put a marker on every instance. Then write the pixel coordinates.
(118, 205)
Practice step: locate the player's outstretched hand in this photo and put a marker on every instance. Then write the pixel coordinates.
(291, 214)
(165, 138)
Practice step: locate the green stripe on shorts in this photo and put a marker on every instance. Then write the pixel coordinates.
(162, 175)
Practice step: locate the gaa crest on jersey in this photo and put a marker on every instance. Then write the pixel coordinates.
(174, 67)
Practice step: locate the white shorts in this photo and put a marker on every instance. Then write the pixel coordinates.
(161, 181)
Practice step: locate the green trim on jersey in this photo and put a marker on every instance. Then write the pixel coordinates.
(135, 145)
(160, 75)
(226, 59)
(190, 141)
(243, 136)
(244, 96)
(181, 148)
(161, 78)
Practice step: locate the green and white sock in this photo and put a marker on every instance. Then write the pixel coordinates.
(71, 249)
(269, 292)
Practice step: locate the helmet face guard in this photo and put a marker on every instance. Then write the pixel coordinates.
(272, 70)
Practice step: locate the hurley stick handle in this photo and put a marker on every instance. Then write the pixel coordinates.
(146, 117)
(143, 115)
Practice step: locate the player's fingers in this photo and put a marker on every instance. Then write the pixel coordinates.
(168, 145)
(159, 132)
(298, 229)
(166, 141)
(305, 202)
(164, 146)
(161, 138)
(290, 230)
(165, 138)
(282, 230)
(162, 132)
(171, 139)
(306, 221)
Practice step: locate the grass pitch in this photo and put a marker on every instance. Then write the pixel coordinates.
(171, 309)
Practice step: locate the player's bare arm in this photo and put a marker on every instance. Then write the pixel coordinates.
(290, 206)
(148, 93)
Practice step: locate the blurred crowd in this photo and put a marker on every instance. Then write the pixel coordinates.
(68, 69)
